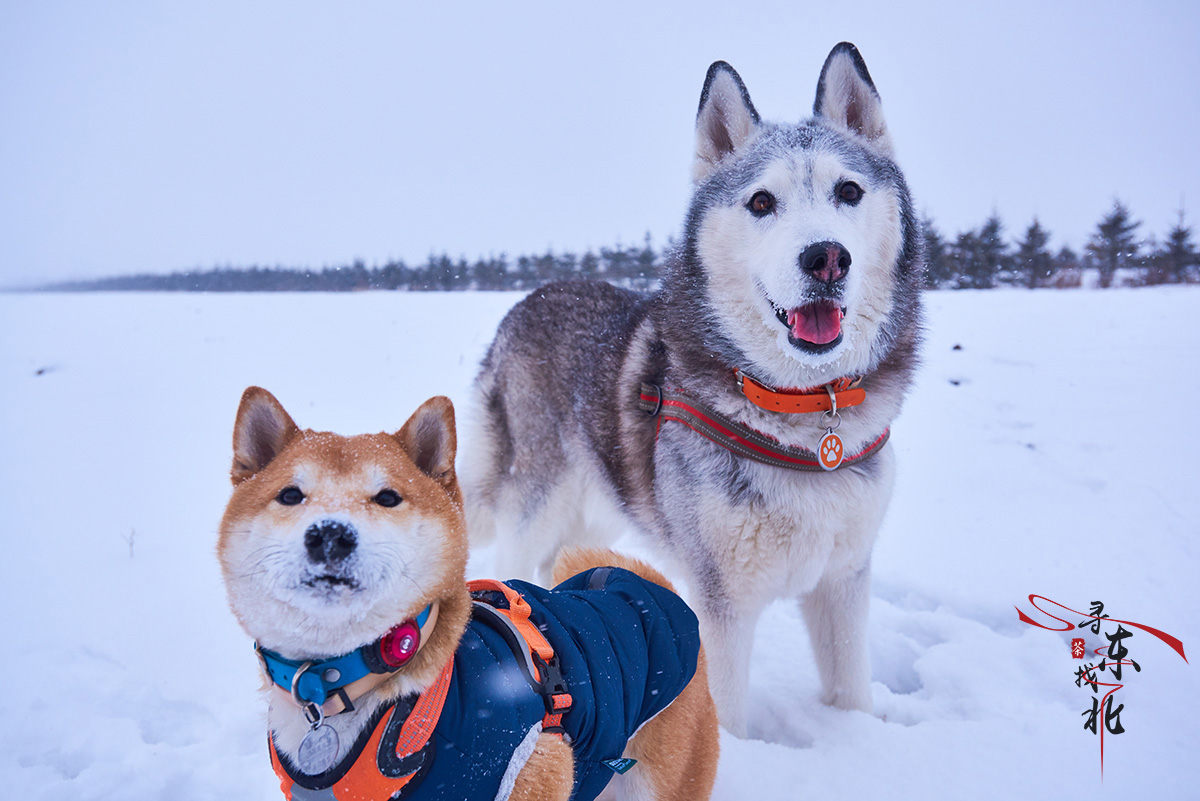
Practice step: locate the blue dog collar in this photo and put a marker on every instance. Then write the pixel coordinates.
(313, 682)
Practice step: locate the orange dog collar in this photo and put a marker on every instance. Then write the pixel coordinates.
(826, 398)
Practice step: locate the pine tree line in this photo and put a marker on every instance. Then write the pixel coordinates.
(1116, 253)
(977, 259)
(634, 267)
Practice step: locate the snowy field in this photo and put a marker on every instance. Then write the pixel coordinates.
(1041, 456)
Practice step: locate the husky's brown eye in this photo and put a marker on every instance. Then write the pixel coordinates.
(387, 497)
(290, 496)
(849, 193)
(761, 203)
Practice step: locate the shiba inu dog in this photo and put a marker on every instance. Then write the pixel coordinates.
(739, 417)
(389, 677)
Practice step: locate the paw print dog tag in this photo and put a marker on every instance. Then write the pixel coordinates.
(830, 453)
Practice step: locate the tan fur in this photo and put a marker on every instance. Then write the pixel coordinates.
(549, 773)
(677, 750)
(679, 747)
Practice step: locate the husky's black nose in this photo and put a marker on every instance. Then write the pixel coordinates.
(328, 541)
(825, 261)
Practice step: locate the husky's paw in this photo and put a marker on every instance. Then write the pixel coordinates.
(848, 698)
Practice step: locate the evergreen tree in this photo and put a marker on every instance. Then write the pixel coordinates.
(439, 274)
(357, 276)
(994, 258)
(1114, 244)
(617, 266)
(1174, 261)
(545, 267)
(589, 265)
(1033, 263)
(645, 261)
(938, 271)
(979, 257)
(491, 274)
(394, 275)
(1066, 270)
(963, 257)
(524, 276)
(567, 266)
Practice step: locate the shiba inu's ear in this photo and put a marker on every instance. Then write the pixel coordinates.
(726, 120)
(429, 439)
(846, 96)
(261, 431)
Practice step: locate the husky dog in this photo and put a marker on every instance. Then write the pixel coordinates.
(389, 676)
(789, 313)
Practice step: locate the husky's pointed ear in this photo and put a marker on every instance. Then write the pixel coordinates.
(261, 431)
(726, 121)
(847, 98)
(429, 439)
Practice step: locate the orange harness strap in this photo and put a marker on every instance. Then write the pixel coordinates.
(518, 612)
(847, 391)
(364, 778)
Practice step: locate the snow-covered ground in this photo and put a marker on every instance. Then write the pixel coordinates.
(1042, 452)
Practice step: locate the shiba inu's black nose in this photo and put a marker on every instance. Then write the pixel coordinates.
(328, 541)
(825, 261)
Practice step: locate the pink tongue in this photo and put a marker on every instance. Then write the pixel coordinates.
(818, 323)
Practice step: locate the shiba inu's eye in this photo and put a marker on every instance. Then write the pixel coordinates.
(849, 193)
(388, 498)
(290, 496)
(762, 203)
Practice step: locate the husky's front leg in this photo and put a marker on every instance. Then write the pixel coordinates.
(728, 635)
(836, 614)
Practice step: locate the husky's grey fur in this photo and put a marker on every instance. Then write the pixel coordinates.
(561, 441)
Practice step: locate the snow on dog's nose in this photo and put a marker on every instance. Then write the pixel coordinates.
(329, 542)
(825, 261)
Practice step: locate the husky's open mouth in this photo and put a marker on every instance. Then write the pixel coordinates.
(814, 327)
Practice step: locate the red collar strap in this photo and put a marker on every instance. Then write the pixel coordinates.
(667, 404)
(845, 391)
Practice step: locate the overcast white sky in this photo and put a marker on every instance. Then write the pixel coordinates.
(160, 136)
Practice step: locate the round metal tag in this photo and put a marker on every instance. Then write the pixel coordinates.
(830, 453)
(318, 750)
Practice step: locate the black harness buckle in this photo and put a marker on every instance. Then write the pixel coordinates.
(552, 687)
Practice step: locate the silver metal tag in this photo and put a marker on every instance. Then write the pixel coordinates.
(318, 750)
